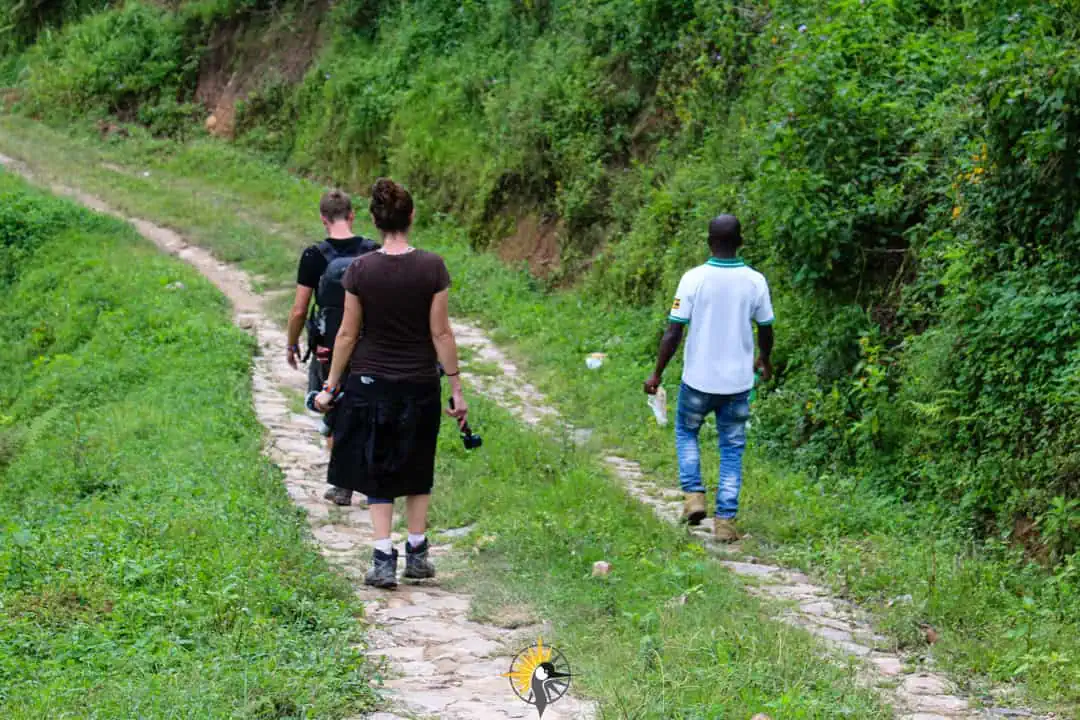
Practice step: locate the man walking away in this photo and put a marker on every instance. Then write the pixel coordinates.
(322, 267)
(718, 300)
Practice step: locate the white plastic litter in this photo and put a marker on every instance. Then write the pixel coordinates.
(658, 403)
(595, 360)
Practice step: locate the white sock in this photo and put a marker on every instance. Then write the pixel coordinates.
(384, 545)
(416, 541)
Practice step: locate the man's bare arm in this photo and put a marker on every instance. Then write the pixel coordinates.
(765, 345)
(669, 345)
(297, 316)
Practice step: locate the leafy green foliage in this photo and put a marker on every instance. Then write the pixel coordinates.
(24, 219)
(977, 312)
(150, 564)
(24, 20)
(132, 62)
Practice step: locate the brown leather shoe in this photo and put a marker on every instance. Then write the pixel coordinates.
(693, 508)
(724, 530)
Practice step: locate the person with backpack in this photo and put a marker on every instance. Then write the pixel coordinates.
(322, 267)
(390, 392)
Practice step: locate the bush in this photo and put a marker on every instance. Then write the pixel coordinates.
(24, 219)
(25, 21)
(121, 62)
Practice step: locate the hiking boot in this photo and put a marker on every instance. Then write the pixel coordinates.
(383, 572)
(724, 530)
(417, 565)
(339, 496)
(693, 508)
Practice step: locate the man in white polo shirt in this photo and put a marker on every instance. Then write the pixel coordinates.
(719, 301)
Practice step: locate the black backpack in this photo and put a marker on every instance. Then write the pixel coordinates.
(325, 318)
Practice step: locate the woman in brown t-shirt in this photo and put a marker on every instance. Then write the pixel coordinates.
(388, 420)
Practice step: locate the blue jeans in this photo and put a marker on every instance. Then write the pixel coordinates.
(732, 412)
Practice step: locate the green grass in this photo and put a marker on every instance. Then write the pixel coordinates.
(1000, 618)
(151, 564)
(544, 512)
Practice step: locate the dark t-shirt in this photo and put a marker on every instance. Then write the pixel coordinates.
(395, 294)
(313, 264)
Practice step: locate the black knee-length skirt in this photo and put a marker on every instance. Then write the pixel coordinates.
(385, 435)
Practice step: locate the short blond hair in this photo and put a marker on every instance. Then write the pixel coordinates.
(335, 205)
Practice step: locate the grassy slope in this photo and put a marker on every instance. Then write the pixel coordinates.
(995, 613)
(150, 563)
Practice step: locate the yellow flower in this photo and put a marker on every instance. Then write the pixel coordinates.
(956, 212)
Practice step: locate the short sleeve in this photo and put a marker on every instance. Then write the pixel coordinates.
(312, 265)
(351, 280)
(683, 305)
(763, 312)
(442, 275)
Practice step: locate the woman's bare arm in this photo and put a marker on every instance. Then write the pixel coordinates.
(442, 335)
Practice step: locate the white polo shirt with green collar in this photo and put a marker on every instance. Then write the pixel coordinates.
(719, 300)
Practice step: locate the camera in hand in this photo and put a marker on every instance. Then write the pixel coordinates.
(468, 439)
(309, 402)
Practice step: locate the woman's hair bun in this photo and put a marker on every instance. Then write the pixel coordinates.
(391, 206)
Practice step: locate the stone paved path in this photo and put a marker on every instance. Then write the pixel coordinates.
(449, 667)
(441, 663)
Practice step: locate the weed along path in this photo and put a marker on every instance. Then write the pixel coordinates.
(448, 666)
(442, 664)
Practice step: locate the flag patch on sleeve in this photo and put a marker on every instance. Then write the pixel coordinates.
(675, 305)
